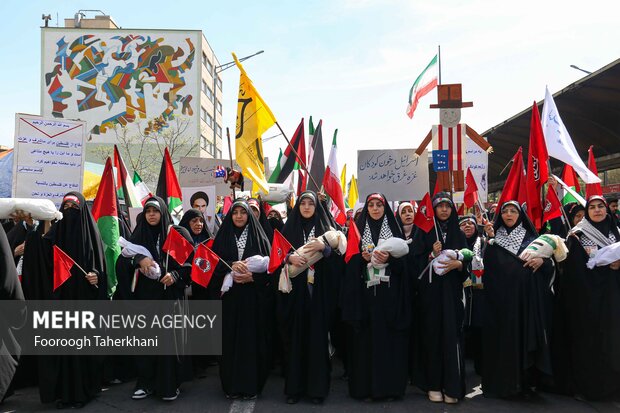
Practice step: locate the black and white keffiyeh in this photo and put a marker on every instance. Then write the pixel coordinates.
(309, 236)
(241, 241)
(511, 242)
(384, 233)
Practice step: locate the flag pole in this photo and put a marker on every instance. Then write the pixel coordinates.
(231, 160)
(82, 269)
(435, 226)
(301, 162)
(439, 62)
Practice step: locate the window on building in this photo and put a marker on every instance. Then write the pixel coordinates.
(204, 59)
(218, 129)
(203, 143)
(219, 83)
(218, 154)
(219, 106)
(209, 68)
(204, 87)
(209, 120)
(203, 114)
(209, 93)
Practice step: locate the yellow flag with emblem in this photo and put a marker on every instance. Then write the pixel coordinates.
(353, 194)
(343, 179)
(253, 118)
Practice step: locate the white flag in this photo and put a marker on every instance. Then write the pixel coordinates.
(559, 143)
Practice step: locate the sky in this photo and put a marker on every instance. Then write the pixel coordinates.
(350, 63)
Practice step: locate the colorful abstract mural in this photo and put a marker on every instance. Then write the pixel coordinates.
(115, 77)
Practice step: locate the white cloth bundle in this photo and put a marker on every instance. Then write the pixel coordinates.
(42, 209)
(444, 257)
(396, 247)
(545, 246)
(255, 263)
(335, 239)
(605, 256)
(130, 250)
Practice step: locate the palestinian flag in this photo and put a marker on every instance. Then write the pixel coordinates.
(287, 161)
(570, 179)
(168, 187)
(105, 213)
(316, 159)
(125, 188)
(424, 83)
(142, 190)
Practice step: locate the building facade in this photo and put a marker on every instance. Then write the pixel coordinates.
(140, 84)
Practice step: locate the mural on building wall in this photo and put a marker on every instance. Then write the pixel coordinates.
(111, 79)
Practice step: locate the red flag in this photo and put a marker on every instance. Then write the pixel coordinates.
(592, 189)
(203, 265)
(552, 205)
(279, 248)
(353, 241)
(461, 210)
(105, 200)
(62, 267)
(537, 169)
(209, 242)
(168, 186)
(570, 177)
(425, 217)
(436, 190)
(177, 247)
(227, 204)
(512, 187)
(471, 190)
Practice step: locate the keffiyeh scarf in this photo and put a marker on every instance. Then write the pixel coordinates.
(511, 242)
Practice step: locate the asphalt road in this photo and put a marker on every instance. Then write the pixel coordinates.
(205, 395)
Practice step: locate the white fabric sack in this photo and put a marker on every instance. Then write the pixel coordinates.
(42, 209)
(545, 246)
(444, 257)
(257, 263)
(335, 239)
(130, 250)
(605, 256)
(396, 247)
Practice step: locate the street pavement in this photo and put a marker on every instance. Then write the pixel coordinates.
(205, 395)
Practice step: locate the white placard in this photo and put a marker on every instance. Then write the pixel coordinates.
(187, 193)
(49, 157)
(198, 172)
(476, 159)
(396, 173)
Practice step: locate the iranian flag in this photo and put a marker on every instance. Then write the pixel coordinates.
(105, 213)
(125, 188)
(142, 191)
(424, 83)
(331, 179)
(168, 187)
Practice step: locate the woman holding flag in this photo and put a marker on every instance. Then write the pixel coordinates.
(194, 222)
(589, 300)
(377, 308)
(154, 275)
(306, 311)
(518, 308)
(439, 365)
(71, 381)
(247, 302)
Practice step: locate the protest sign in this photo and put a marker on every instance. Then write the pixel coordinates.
(49, 157)
(396, 173)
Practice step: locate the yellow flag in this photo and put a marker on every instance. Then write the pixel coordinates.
(353, 194)
(343, 179)
(253, 118)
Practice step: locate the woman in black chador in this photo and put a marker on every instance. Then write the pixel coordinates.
(518, 309)
(247, 303)
(161, 375)
(378, 312)
(194, 222)
(438, 366)
(72, 381)
(305, 312)
(590, 306)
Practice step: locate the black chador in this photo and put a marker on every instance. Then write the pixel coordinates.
(10, 289)
(438, 364)
(518, 308)
(247, 305)
(590, 308)
(71, 380)
(162, 374)
(378, 314)
(305, 312)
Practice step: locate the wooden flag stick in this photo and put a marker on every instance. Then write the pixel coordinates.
(301, 162)
(85, 273)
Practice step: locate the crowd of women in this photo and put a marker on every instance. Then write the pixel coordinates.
(462, 290)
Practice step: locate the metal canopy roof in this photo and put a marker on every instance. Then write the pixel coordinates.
(590, 109)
